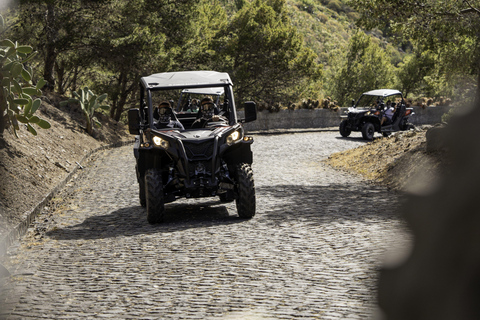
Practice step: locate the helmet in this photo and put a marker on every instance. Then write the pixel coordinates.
(207, 107)
(165, 112)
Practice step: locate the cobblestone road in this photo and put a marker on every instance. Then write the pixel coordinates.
(311, 251)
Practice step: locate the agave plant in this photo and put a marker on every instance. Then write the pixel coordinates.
(89, 103)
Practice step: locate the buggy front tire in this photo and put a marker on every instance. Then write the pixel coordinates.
(344, 131)
(141, 188)
(154, 196)
(245, 199)
(368, 130)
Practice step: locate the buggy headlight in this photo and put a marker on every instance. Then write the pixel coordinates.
(159, 142)
(234, 137)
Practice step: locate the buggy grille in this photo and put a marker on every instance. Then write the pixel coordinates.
(198, 151)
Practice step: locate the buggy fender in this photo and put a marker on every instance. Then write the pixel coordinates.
(238, 153)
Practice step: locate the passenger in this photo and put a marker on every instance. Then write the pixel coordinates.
(208, 112)
(165, 117)
(389, 111)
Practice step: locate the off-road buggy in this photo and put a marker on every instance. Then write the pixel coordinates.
(211, 161)
(366, 114)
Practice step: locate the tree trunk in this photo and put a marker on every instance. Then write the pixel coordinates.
(50, 52)
(123, 97)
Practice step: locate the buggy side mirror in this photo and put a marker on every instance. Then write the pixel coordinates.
(134, 121)
(353, 103)
(250, 108)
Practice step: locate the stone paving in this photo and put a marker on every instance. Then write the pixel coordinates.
(311, 252)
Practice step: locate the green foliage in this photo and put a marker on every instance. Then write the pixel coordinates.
(365, 66)
(89, 103)
(413, 71)
(264, 53)
(449, 29)
(16, 102)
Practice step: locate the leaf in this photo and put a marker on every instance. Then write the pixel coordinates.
(7, 43)
(31, 129)
(22, 119)
(41, 83)
(26, 75)
(105, 107)
(32, 91)
(28, 108)
(16, 87)
(21, 101)
(44, 124)
(24, 49)
(35, 105)
(16, 69)
(33, 119)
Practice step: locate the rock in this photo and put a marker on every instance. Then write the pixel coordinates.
(436, 138)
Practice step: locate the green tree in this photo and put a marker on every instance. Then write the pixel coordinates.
(58, 27)
(413, 70)
(439, 26)
(364, 66)
(137, 38)
(264, 53)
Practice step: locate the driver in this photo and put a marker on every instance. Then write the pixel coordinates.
(165, 117)
(208, 112)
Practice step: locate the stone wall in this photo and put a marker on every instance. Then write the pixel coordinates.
(326, 118)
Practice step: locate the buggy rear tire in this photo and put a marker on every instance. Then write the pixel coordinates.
(344, 131)
(154, 196)
(368, 130)
(245, 199)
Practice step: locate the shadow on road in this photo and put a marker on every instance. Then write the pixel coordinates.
(324, 204)
(275, 204)
(358, 139)
(131, 221)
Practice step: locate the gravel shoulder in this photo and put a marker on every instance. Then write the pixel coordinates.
(400, 162)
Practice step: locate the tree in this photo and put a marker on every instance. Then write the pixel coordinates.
(439, 26)
(57, 27)
(413, 70)
(365, 66)
(137, 38)
(264, 53)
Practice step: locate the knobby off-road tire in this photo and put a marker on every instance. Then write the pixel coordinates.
(141, 190)
(245, 200)
(344, 131)
(368, 130)
(154, 196)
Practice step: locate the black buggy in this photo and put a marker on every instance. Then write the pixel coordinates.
(211, 161)
(366, 114)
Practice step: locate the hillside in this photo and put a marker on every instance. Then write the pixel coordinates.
(31, 166)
